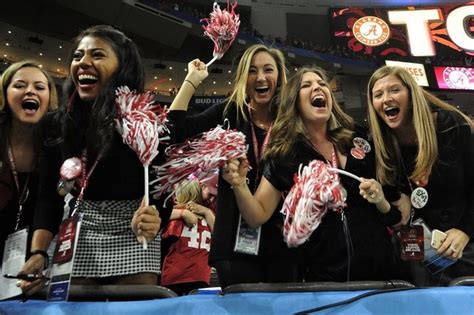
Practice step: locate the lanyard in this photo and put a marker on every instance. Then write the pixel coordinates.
(22, 194)
(84, 182)
(412, 209)
(258, 153)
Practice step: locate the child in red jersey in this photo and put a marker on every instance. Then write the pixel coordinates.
(188, 232)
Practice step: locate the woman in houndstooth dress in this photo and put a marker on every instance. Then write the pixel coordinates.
(109, 249)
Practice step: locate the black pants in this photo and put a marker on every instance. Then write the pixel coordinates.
(257, 269)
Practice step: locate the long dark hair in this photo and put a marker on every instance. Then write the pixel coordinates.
(288, 127)
(91, 126)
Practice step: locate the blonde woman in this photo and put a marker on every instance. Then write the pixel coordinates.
(425, 144)
(239, 253)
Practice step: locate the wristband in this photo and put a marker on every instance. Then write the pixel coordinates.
(42, 253)
(192, 84)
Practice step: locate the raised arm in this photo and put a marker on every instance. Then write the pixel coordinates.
(197, 72)
(257, 209)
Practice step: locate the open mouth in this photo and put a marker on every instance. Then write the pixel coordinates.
(391, 112)
(262, 89)
(30, 106)
(319, 101)
(87, 79)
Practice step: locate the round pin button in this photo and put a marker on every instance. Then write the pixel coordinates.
(71, 168)
(419, 197)
(362, 143)
(358, 153)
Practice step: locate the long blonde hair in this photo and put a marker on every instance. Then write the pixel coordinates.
(288, 127)
(239, 94)
(386, 145)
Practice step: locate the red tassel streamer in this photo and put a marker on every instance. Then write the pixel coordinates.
(141, 124)
(200, 157)
(222, 28)
(315, 191)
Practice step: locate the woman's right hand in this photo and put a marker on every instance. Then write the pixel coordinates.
(34, 265)
(235, 172)
(197, 72)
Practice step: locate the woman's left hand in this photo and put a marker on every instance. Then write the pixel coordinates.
(146, 222)
(454, 243)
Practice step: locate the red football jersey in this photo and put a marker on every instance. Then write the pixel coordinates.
(187, 259)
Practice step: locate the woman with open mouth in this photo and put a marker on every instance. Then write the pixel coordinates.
(424, 148)
(239, 253)
(28, 93)
(86, 158)
(350, 240)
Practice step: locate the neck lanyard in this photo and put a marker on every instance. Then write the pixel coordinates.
(22, 194)
(258, 153)
(84, 182)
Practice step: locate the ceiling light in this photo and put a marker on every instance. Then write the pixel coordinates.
(171, 68)
(41, 54)
(170, 79)
(59, 59)
(156, 77)
(60, 47)
(7, 44)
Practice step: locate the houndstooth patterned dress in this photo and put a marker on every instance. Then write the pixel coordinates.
(107, 245)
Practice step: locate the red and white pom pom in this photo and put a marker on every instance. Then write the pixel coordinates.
(222, 28)
(141, 124)
(200, 156)
(315, 191)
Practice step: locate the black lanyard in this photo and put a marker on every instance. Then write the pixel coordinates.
(22, 193)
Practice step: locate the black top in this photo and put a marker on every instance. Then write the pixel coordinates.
(9, 203)
(227, 212)
(450, 185)
(325, 252)
(119, 175)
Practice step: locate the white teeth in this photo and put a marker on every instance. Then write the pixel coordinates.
(390, 108)
(261, 87)
(318, 97)
(87, 76)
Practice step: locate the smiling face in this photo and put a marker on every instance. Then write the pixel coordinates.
(391, 101)
(314, 99)
(28, 95)
(262, 79)
(93, 64)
